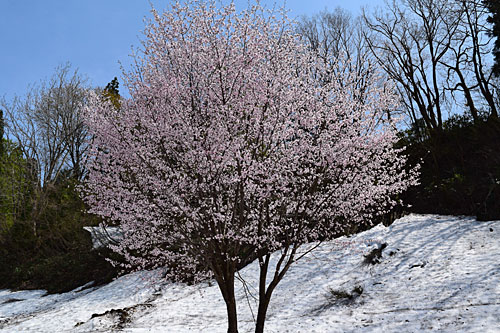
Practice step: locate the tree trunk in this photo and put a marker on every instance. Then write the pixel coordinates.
(266, 293)
(226, 286)
(261, 314)
(232, 318)
(263, 299)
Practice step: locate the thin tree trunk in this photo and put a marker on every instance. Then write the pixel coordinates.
(266, 293)
(261, 315)
(226, 286)
(261, 312)
(232, 317)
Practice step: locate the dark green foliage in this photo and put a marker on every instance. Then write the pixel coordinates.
(112, 87)
(16, 186)
(57, 273)
(494, 8)
(42, 241)
(460, 172)
(112, 93)
(59, 257)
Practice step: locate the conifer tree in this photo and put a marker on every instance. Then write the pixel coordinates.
(112, 93)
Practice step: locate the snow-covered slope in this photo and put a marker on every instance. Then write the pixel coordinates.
(437, 273)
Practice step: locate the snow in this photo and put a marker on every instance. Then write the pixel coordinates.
(437, 273)
(102, 236)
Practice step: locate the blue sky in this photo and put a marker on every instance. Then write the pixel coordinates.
(93, 35)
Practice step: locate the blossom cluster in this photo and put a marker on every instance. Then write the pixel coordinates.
(230, 145)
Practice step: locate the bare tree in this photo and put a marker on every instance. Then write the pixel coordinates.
(409, 40)
(47, 127)
(435, 51)
(471, 48)
(339, 40)
(47, 124)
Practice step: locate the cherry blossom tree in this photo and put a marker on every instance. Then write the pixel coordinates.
(231, 148)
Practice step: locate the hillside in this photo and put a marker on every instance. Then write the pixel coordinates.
(437, 273)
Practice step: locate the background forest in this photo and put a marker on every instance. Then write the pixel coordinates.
(443, 57)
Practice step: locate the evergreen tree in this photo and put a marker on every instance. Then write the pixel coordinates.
(112, 93)
(494, 8)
